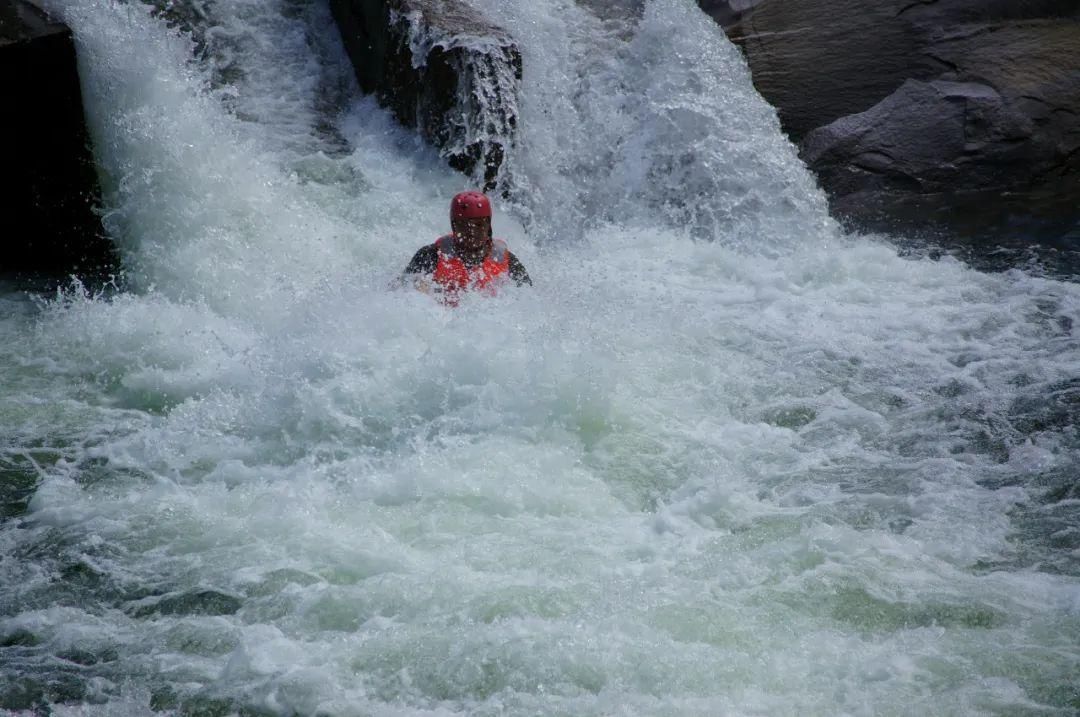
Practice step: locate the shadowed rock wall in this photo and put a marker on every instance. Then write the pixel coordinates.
(47, 203)
(441, 68)
(940, 112)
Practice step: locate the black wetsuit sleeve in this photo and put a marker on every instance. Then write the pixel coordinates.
(424, 261)
(517, 271)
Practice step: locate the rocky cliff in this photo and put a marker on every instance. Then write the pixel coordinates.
(950, 113)
(51, 188)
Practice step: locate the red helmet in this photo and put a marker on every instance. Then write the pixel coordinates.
(468, 205)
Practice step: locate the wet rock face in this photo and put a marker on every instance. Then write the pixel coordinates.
(928, 137)
(441, 68)
(912, 110)
(51, 185)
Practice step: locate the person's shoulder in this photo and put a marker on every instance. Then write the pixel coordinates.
(424, 260)
(446, 241)
(517, 269)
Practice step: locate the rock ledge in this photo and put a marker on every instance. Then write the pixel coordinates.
(443, 69)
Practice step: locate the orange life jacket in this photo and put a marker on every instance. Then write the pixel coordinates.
(453, 276)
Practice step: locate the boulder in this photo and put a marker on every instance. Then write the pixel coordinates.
(1007, 139)
(927, 137)
(915, 110)
(942, 154)
(51, 185)
(441, 68)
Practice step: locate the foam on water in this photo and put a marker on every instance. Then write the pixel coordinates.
(772, 473)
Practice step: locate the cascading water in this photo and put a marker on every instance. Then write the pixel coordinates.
(782, 471)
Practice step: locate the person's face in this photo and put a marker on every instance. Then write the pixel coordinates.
(473, 234)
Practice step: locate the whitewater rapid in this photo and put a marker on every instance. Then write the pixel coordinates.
(721, 459)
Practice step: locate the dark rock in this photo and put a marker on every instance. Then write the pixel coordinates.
(728, 13)
(927, 137)
(816, 61)
(441, 68)
(951, 114)
(47, 205)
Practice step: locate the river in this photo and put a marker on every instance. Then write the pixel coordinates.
(723, 458)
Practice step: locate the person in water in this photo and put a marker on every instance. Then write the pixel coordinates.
(467, 259)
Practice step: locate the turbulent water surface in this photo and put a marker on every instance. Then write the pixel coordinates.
(720, 459)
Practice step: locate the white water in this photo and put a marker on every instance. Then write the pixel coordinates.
(771, 473)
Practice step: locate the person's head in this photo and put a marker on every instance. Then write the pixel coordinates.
(470, 219)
